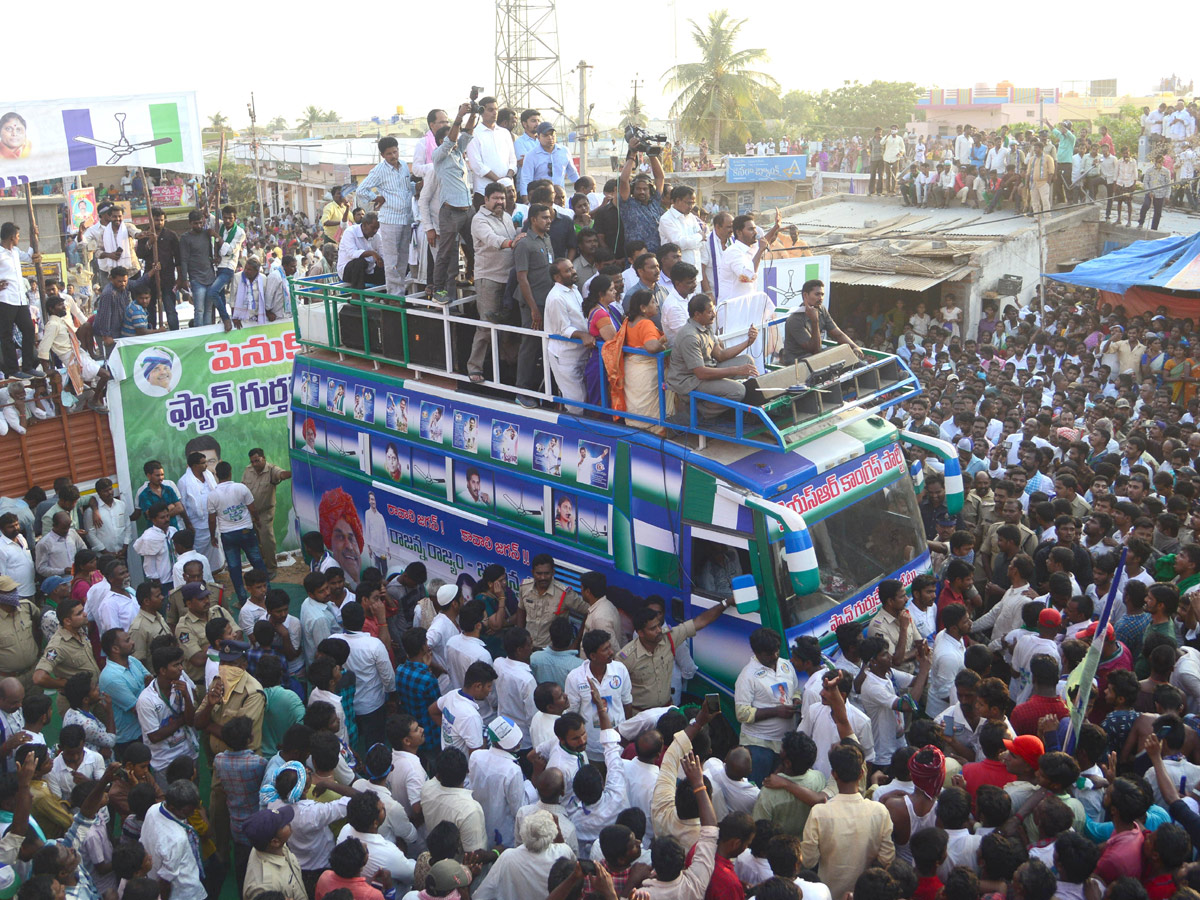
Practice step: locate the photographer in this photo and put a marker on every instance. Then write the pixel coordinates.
(546, 161)
(640, 202)
(454, 218)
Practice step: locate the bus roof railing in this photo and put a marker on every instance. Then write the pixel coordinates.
(426, 337)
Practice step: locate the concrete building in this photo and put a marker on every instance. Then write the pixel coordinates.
(880, 250)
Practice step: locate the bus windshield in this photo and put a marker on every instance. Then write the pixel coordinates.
(856, 547)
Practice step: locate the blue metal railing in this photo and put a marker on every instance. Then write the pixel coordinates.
(751, 425)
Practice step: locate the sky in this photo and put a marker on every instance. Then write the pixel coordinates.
(288, 62)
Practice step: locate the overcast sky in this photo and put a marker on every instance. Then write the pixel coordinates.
(288, 59)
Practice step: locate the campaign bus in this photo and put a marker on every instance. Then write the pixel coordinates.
(798, 502)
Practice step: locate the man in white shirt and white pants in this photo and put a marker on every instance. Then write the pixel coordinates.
(564, 317)
(491, 156)
(680, 226)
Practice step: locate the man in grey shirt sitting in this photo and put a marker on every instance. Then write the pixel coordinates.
(804, 329)
(700, 363)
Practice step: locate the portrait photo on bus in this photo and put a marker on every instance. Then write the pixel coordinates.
(309, 435)
(472, 486)
(547, 453)
(466, 431)
(433, 426)
(396, 416)
(389, 460)
(506, 438)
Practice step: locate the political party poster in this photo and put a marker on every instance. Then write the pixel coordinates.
(42, 139)
(203, 389)
(83, 207)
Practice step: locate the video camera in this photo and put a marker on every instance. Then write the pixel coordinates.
(645, 140)
(476, 109)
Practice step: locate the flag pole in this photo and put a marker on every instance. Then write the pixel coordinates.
(1081, 679)
(37, 265)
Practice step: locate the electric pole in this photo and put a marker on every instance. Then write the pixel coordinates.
(258, 192)
(584, 118)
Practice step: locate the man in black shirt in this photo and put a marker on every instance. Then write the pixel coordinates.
(804, 328)
(606, 221)
(168, 260)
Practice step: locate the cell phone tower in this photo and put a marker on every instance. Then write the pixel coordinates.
(528, 73)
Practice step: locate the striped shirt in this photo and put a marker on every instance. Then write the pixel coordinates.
(135, 318)
(395, 186)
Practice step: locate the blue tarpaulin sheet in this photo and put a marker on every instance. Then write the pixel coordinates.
(1170, 264)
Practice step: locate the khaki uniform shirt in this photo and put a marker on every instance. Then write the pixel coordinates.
(1029, 542)
(176, 607)
(268, 872)
(145, 628)
(18, 644)
(1080, 508)
(262, 486)
(192, 638)
(887, 626)
(604, 616)
(248, 699)
(540, 609)
(650, 671)
(68, 655)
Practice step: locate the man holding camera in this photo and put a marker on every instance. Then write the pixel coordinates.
(640, 201)
(546, 161)
(454, 218)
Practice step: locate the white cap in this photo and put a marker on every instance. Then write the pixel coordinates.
(446, 594)
(505, 733)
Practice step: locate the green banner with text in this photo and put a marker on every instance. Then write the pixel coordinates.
(204, 389)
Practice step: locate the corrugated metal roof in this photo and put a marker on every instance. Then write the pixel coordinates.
(892, 280)
(852, 215)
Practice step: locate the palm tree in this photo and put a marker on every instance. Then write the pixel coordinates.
(312, 115)
(218, 122)
(330, 116)
(279, 123)
(721, 87)
(634, 113)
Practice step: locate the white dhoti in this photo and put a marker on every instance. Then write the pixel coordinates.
(737, 314)
(214, 555)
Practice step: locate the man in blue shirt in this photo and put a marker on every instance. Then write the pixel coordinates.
(122, 679)
(454, 218)
(530, 120)
(388, 188)
(546, 161)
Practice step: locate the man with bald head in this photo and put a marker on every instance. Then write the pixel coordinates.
(732, 789)
(642, 772)
(551, 786)
(12, 721)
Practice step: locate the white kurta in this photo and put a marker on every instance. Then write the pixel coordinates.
(194, 494)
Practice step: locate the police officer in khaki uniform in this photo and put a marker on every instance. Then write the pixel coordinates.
(18, 633)
(234, 692)
(68, 653)
(191, 627)
(193, 573)
(541, 598)
(149, 622)
(650, 656)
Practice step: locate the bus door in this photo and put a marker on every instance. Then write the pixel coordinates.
(712, 559)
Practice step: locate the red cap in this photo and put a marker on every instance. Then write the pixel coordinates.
(1049, 618)
(1027, 747)
(1090, 632)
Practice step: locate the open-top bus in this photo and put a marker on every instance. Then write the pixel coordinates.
(798, 505)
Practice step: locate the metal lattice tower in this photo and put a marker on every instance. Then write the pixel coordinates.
(528, 74)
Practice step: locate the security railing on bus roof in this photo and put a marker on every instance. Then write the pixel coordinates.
(801, 413)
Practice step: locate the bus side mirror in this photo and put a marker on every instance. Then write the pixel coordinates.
(745, 594)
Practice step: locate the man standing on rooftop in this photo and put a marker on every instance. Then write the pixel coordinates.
(388, 188)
